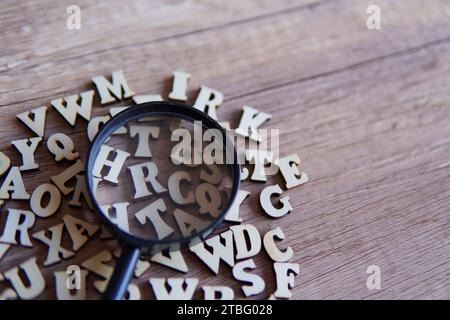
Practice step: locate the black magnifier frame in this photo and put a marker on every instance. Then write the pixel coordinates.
(134, 245)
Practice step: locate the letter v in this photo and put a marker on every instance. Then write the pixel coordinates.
(37, 124)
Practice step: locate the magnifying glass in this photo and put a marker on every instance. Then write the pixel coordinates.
(162, 175)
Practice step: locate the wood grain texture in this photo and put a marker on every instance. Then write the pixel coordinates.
(368, 112)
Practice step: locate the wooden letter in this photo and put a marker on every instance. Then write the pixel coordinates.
(55, 251)
(37, 125)
(209, 199)
(81, 190)
(240, 274)
(140, 179)
(274, 253)
(61, 146)
(143, 98)
(285, 278)
(115, 165)
(211, 292)
(259, 158)
(267, 205)
(13, 184)
(62, 290)
(144, 133)
(208, 100)
(289, 170)
(133, 292)
(174, 187)
(171, 259)
(179, 86)
(243, 251)
(251, 119)
(5, 163)
(219, 251)
(27, 148)
(151, 212)
(233, 213)
(117, 87)
(70, 109)
(120, 217)
(53, 203)
(177, 292)
(188, 223)
(94, 126)
(79, 230)
(35, 283)
(61, 179)
(98, 265)
(18, 221)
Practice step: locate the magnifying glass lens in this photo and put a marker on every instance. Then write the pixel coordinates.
(162, 178)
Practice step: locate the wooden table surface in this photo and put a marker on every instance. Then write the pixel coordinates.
(367, 111)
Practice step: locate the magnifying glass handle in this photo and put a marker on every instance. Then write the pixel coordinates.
(118, 283)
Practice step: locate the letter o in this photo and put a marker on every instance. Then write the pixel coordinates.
(53, 204)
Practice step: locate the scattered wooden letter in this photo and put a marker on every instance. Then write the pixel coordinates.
(144, 133)
(61, 179)
(55, 250)
(5, 163)
(179, 86)
(288, 167)
(172, 259)
(285, 273)
(259, 158)
(269, 244)
(140, 180)
(218, 293)
(251, 119)
(143, 98)
(152, 213)
(97, 264)
(257, 283)
(244, 251)
(81, 191)
(120, 218)
(18, 221)
(133, 292)
(62, 147)
(180, 289)
(208, 100)
(53, 203)
(69, 108)
(94, 126)
(117, 87)
(187, 223)
(233, 213)
(174, 186)
(267, 205)
(27, 148)
(8, 293)
(37, 124)
(219, 252)
(34, 284)
(115, 165)
(79, 231)
(13, 186)
(65, 293)
(209, 199)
